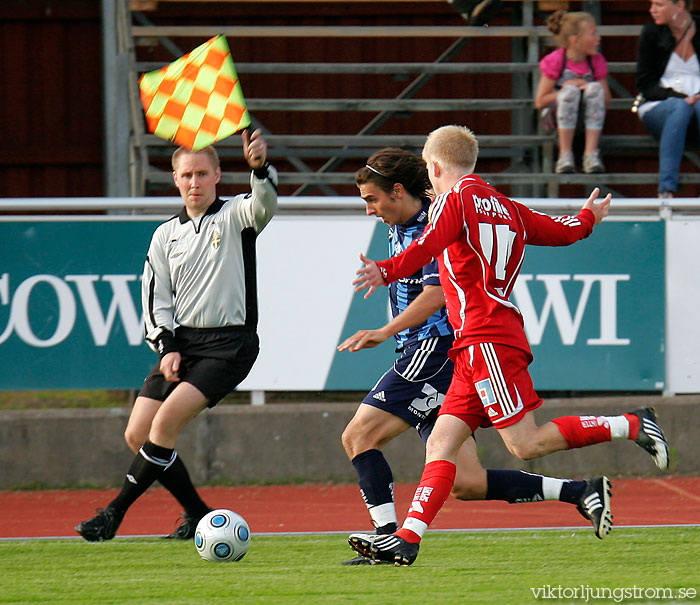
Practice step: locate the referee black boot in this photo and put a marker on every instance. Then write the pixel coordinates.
(103, 526)
(186, 529)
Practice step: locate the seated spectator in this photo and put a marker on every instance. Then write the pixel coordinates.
(573, 87)
(668, 78)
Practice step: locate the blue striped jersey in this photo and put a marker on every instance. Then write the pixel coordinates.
(404, 291)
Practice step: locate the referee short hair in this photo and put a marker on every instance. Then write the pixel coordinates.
(209, 151)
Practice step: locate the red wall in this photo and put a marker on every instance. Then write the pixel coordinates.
(50, 98)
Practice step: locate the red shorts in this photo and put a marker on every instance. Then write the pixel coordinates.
(491, 386)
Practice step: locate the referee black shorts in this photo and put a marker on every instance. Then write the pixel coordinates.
(215, 360)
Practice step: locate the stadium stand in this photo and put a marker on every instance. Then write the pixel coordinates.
(322, 117)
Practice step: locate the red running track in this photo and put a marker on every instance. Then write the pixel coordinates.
(323, 508)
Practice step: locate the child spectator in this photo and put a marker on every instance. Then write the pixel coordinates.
(573, 87)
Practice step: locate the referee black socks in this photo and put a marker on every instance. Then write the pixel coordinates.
(148, 464)
(176, 480)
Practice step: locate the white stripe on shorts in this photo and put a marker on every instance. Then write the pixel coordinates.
(420, 357)
(500, 386)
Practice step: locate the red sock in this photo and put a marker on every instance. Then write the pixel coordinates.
(580, 431)
(634, 426)
(432, 491)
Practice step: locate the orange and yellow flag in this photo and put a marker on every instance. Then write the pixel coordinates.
(196, 100)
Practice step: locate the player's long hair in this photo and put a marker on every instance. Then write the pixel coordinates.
(393, 165)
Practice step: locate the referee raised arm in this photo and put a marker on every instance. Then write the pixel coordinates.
(200, 310)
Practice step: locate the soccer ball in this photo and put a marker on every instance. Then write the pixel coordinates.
(221, 536)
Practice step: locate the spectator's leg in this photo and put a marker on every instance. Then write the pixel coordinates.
(592, 141)
(566, 140)
(668, 123)
(694, 136)
(594, 115)
(568, 101)
(593, 118)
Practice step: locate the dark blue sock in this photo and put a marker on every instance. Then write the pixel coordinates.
(376, 480)
(520, 486)
(572, 491)
(513, 486)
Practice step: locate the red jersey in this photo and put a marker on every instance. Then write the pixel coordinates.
(478, 237)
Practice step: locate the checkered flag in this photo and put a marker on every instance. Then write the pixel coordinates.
(196, 100)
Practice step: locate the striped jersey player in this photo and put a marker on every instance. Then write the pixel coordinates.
(404, 291)
(415, 386)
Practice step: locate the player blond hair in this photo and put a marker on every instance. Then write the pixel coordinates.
(453, 146)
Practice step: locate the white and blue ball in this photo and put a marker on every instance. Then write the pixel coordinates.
(222, 536)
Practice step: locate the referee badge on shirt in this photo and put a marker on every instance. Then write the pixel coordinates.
(216, 240)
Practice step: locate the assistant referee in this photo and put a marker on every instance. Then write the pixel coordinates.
(200, 309)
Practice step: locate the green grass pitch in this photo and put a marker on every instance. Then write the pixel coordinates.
(453, 567)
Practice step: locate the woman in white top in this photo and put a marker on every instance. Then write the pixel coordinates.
(668, 77)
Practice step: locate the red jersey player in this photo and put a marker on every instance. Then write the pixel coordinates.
(478, 237)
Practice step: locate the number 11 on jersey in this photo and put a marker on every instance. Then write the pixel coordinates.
(503, 238)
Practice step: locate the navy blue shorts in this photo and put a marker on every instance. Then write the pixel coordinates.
(415, 387)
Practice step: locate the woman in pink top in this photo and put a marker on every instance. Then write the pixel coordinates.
(574, 81)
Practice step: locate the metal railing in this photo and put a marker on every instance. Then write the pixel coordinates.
(149, 208)
(362, 31)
